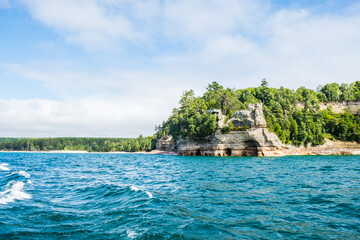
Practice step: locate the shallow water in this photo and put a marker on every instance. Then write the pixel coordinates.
(134, 196)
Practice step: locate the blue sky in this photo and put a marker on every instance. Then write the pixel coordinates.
(117, 67)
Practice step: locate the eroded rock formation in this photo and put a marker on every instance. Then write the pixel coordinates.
(254, 140)
(251, 118)
(257, 140)
(166, 144)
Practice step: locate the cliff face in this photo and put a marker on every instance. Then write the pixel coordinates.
(328, 148)
(165, 144)
(253, 117)
(256, 141)
(338, 107)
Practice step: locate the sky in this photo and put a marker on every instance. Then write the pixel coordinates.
(116, 68)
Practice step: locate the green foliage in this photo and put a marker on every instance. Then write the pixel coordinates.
(264, 83)
(80, 144)
(333, 92)
(342, 126)
(2, 139)
(217, 97)
(294, 116)
(191, 119)
(231, 127)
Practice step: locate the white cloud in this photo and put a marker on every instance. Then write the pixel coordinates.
(90, 116)
(291, 48)
(314, 49)
(236, 43)
(115, 103)
(91, 23)
(99, 24)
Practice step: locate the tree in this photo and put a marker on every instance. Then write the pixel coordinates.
(332, 92)
(264, 83)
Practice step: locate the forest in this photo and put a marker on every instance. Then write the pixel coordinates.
(293, 115)
(79, 144)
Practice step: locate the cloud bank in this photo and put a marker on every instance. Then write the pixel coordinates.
(138, 56)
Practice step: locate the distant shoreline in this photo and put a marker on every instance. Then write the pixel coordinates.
(302, 152)
(328, 148)
(75, 151)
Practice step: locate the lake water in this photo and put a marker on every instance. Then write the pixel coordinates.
(135, 196)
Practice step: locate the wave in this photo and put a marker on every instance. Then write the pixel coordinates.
(15, 192)
(131, 234)
(149, 194)
(136, 189)
(24, 174)
(3, 167)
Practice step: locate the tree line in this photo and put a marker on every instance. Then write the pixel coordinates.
(79, 144)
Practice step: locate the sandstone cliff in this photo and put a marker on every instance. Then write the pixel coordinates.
(328, 148)
(338, 107)
(257, 140)
(254, 139)
(166, 144)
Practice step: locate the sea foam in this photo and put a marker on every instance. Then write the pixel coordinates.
(15, 192)
(3, 167)
(24, 174)
(131, 234)
(133, 188)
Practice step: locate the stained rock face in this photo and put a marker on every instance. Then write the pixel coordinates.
(219, 117)
(253, 142)
(253, 117)
(166, 144)
(256, 141)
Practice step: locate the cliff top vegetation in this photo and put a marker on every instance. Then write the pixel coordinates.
(284, 116)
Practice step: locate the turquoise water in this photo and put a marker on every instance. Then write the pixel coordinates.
(134, 196)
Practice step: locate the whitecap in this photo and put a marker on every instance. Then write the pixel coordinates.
(149, 194)
(133, 188)
(14, 193)
(3, 167)
(24, 174)
(131, 234)
(29, 181)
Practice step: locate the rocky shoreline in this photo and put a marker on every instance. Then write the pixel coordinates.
(250, 138)
(160, 152)
(328, 148)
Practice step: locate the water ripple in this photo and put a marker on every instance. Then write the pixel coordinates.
(127, 196)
